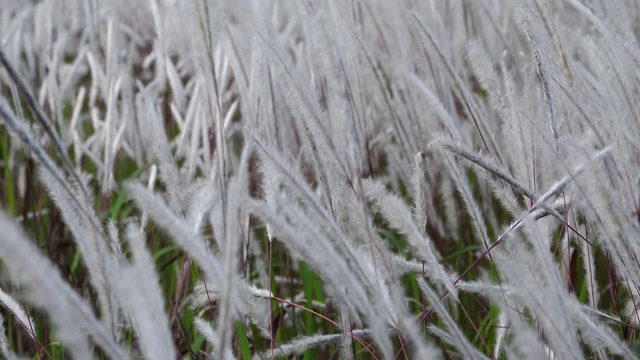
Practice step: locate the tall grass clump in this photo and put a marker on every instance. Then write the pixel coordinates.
(333, 180)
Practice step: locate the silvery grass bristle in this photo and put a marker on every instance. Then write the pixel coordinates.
(47, 290)
(141, 296)
(348, 179)
(19, 313)
(4, 343)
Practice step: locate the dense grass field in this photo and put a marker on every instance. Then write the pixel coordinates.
(341, 179)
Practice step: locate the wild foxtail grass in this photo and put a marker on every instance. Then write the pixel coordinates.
(339, 179)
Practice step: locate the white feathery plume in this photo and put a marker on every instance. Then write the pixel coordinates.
(210, 335)
(4, 344)
(399, 217)
(92, 243)
(19, 313)
(47, 290)
(140, 294)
